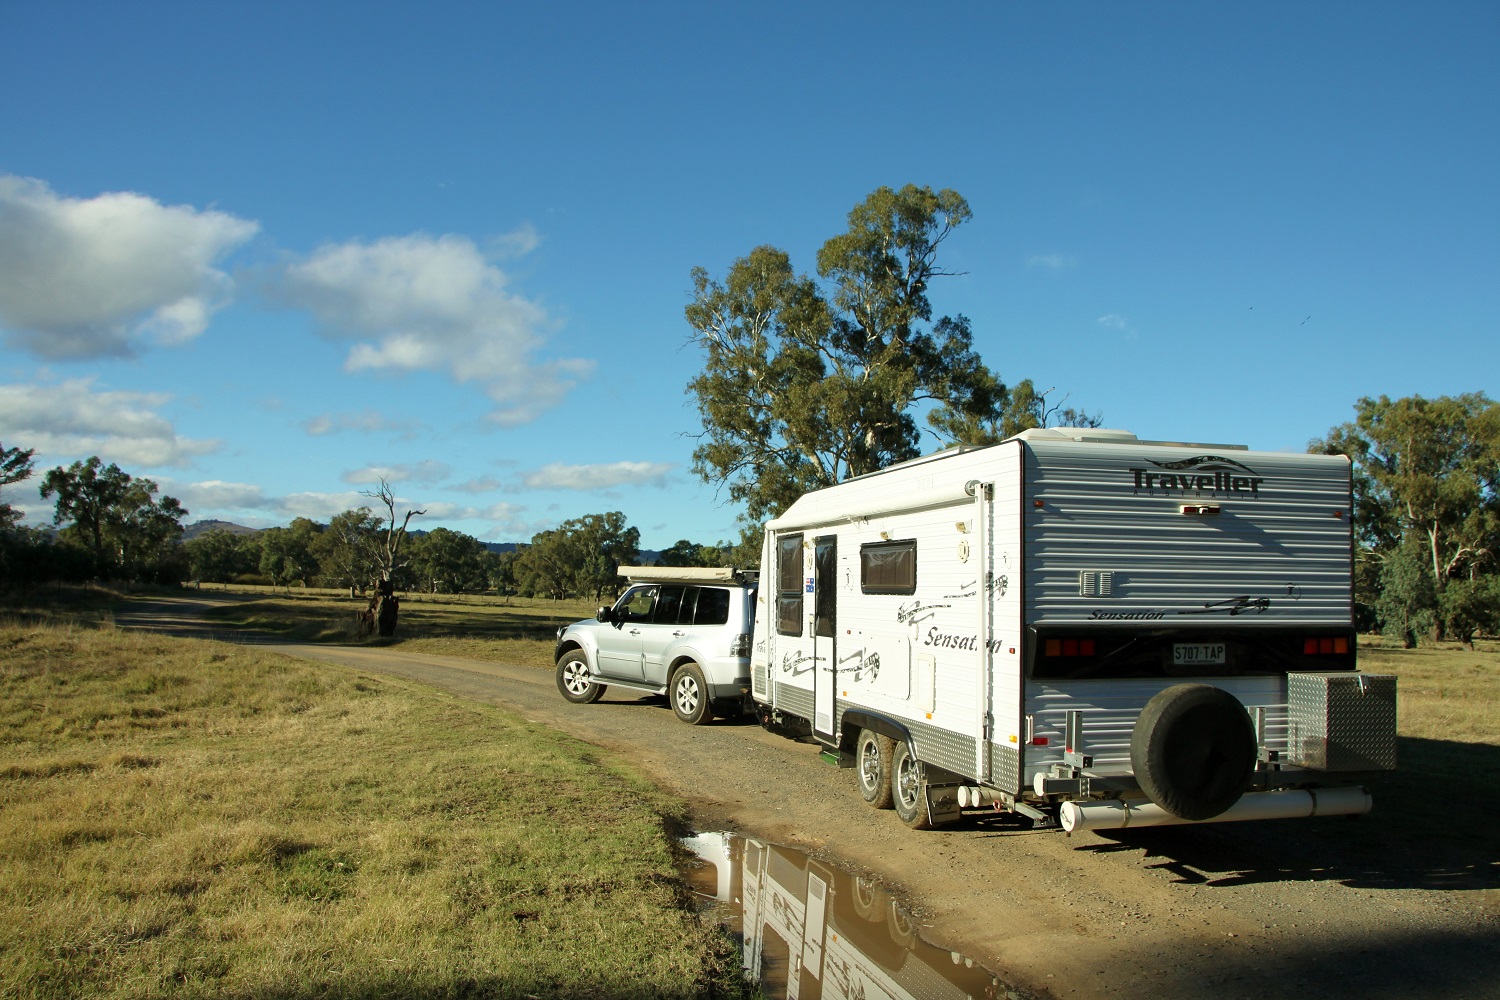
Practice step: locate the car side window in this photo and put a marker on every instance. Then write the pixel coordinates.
(713, 607)
(637, 605)
(689, 605)
(668, 604)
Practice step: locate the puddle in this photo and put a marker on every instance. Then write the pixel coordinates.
(812, 932)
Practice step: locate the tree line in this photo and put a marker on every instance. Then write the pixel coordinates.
(1426, 514)
(111, 526)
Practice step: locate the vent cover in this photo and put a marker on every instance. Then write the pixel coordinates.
(1096, 583)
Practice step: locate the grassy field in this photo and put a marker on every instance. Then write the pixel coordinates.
(518, 630)
(186, 818)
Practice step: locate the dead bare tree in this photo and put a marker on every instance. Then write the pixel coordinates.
(385, 605)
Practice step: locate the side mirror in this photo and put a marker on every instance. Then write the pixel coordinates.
(604, 614)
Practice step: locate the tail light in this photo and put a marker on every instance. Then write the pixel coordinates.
(1325, 645)
(1069, 647)
(740, 645)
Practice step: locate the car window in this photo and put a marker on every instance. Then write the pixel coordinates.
(637, 604)
(689, 605)
(668, 605)
(713, 607)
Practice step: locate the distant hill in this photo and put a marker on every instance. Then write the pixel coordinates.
(200, 528)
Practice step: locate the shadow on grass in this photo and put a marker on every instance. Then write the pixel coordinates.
(336, 620)
(1433, 827)
(396, 988)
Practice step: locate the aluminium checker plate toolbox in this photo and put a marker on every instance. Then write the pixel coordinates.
(1340, 721)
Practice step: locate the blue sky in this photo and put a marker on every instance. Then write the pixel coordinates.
(266, 253)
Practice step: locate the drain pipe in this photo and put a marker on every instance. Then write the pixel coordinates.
(1119, 814)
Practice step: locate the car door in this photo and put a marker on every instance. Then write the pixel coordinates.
(667, 625)
(620, 644)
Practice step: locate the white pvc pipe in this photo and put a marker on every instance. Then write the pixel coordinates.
(1117, 814)
(970, 797)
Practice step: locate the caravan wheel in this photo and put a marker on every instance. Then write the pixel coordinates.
(872, 767)
(1193, 750)
(908, 789)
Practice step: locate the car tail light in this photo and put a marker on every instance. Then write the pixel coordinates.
(740, 646)
(1069, 647)
(1325, 645)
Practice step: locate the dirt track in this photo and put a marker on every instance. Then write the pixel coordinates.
(1238, 910)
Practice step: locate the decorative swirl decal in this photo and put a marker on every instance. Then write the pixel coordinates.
(1204, 462)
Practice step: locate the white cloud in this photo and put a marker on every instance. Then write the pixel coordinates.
(418, 472)
(1052, 261)
(597, 477)
(247, 504)
(423, 303)
(72, 419)
(518, 243)
(484, 484)
(96, 277)
(368, 422)
(1114, 322)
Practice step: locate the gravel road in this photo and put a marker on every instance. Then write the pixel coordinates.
(1227, 911)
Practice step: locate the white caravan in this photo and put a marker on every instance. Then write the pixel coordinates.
(1077, 625)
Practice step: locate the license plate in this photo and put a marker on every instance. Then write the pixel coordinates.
(1197, 654)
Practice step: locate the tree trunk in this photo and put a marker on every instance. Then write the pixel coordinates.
(387, 605)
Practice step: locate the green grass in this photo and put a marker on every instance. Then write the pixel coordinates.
(185, 818)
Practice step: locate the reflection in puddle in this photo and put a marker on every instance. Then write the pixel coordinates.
(811, 932)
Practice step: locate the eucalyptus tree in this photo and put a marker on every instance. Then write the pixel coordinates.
(220, 556)
(1426, 505)
(446, 561)
(15, 467)
(127, 528)
(348, 549)
(806, 384)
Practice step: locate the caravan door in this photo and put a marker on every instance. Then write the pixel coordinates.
(825, 621)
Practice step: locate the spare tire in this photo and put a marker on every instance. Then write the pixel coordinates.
(1193, 750)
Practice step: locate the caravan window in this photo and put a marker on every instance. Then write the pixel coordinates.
(888, 567)
(789, 585)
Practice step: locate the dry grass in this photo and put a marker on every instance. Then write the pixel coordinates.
(182, 818)
(1445, 693)
(514, 630)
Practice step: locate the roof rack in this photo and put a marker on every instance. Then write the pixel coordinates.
(688, 574)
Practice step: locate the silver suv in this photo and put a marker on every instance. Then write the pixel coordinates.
(681, 632)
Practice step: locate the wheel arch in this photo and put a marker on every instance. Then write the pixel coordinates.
(854, 720)
(565, 647)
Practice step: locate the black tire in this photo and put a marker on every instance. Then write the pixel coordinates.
(902, 929)
(574, 681)
(872, 768)
(1193, 750)
(688, 693)
(867, 900)
(908, 789)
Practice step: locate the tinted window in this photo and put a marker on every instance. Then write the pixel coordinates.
(825, 601)
(888, 567)
(713, 607)
(668, 604)
(789, 585)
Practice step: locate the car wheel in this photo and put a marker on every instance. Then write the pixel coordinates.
(574, 680)
(908, 789)
(872, 767)
(689, 695)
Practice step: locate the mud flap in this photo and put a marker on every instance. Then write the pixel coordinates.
(942, 803)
